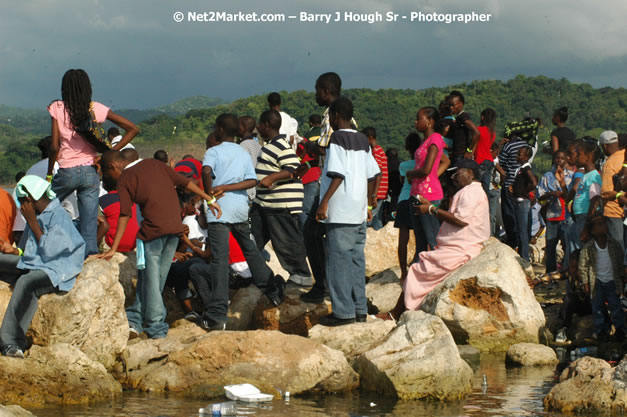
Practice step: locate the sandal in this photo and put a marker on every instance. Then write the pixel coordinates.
(546, 279)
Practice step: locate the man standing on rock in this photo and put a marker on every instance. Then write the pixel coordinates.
(152, 185)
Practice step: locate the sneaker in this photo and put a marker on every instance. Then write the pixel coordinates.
(211, 325)
(276, 290)
(300, 281)
(192, 316)
(314, 296)
(13, 351)
(132, 333)
(332, 321)
(361, 318)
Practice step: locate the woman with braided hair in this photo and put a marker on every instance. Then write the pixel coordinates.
(77, 157)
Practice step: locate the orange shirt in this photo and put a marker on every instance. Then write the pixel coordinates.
(612, 166)
(8, 210)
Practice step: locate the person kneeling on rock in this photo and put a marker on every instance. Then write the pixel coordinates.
(49, 262)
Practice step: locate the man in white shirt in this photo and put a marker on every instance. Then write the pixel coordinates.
(115, 137)
(289, 125)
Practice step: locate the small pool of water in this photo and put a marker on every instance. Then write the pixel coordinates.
(509, 392)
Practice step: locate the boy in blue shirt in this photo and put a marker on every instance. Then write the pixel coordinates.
(49, 262)
(228, 171)
(348, 178)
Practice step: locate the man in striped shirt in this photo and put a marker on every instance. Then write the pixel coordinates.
(279, 200)
(381, 185)
(508, 166)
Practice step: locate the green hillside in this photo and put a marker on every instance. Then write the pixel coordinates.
(392, 112)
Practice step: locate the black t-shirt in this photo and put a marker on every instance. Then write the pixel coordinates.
(460, 134)
(565, 137)
(522, 184)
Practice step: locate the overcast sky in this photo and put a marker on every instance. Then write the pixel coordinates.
(137, 56)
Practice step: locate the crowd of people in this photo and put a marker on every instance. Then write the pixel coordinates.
(201, 226)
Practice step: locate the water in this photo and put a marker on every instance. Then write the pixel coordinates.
(509, 392)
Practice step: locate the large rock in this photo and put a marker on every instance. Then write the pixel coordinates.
(383, 290)
(293, 316)
(591, 385)
(531, 354)
(14, 411)
(353, 339)
(58, 374)
(91, 316)
(487, 302)
(382, 249)
(418, 359)
(200, 365)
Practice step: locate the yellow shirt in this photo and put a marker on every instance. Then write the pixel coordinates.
(613, 166)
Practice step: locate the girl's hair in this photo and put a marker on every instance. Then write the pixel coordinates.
(562, 114)
(432, 113)
(488, 119)
(444, 108)
(589, 146)
(586, 233)
(76, 94)
(412, 142)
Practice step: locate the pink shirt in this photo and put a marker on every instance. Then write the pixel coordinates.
(74, 151)
(429, 187)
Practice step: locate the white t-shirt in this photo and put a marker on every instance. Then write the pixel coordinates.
(289, 127)
(70, 204)
(117, 140)
(605, 273)
(195, 231)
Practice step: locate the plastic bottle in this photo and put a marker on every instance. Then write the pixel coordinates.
(484, 384)
(219, 409)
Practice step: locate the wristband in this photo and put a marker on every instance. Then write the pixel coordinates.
(212, 201)
(20, 252)
(618, 195)
(49, 177)
(307, 164)
(431, 211)
(624, 165)
(468, 150)
(370, 208)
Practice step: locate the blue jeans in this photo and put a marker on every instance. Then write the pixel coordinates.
(485, 170)
(574, 240)
(311, 191)
(556, 231)
(607, 292)
(426, 228)
(377, 213)
(148, 312)
(86, 182)
(522, 215)
(346, 269)
(509, 218)
(496, 220)
(615, 227)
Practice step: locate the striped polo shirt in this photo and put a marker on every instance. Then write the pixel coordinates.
(508, 159)
(277, 155)
(382, 161)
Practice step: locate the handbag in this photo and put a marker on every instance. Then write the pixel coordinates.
(93, 132)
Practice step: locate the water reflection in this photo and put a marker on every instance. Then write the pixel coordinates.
(510, 392)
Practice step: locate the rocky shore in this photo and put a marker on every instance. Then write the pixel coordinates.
(81, 354)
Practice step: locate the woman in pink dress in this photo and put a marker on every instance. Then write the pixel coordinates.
(465, 227)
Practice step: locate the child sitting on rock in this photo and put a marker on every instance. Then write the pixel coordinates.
(48, 263)
(600, 266)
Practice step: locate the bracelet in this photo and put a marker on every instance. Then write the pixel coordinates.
(619, 194)
(212, 201)
(20, 252)
(431, 209)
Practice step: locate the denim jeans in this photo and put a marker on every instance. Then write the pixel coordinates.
(311, 192)
(28, 287)
(426, 228)
(346, 269)
(485, 170)
(615, 227)
(522, 213)
(509, 218)
(148, 312)
(86, 182)
(574, 240)
(377, 216)
(606, 291)
(556, 231)
(212, 281)
(496, 219)
(179, 277)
